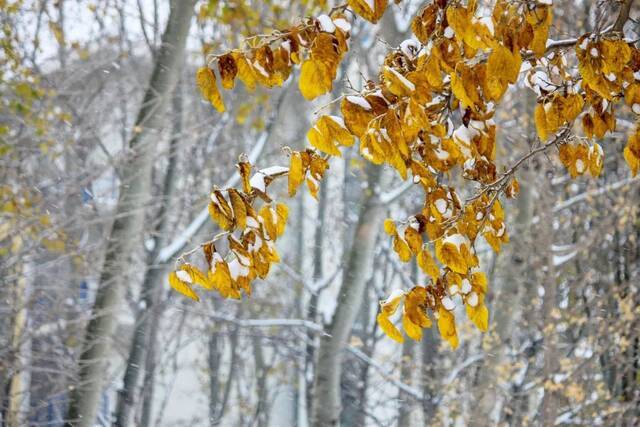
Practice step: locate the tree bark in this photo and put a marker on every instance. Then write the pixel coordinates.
(326, 399)
(150, 292)
(126, 230)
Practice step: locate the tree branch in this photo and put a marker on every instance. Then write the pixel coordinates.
(623, 16)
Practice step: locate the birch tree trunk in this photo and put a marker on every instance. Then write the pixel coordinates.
(152, 279)
(127, 228)
(326, 398)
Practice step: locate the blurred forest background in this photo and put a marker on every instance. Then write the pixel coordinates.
(91, 99)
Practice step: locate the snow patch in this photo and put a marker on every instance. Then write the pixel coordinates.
(326, 24)
(359, 101)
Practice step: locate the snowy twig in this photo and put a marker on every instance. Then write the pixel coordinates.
(392, 195)
(593, 193)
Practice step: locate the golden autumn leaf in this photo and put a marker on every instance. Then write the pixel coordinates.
(479, 315)
(402, 249)
(464, 87)
(540, 118)
(220, 211)
(269, 221)
(503, 68)
(424, 23)
(327, 132)
(479, 282)
(245, 73)
(206, 80)
(540, 19)
(239, 208)
(427, 264)
(197, 276)
(389, 227)
(412, 330)
(296, 173)
(220, 276)
(413, 239)
(282, 212)
(596, 160)
(449, 253)
(390, 305)
(447, 327)
(357, 113)
(632, 153)
(364, 8)
(389, 328)
(182, 284)
(397, 84)
(315, 79)
(244, 169)
(414, 307)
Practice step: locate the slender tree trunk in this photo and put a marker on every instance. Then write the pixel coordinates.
(148, 384)
(18, 386)
(262, 409)
(312, 306)
(126, 230)
(214, 360)
(550, 399)
(151, 288)
(326, 400)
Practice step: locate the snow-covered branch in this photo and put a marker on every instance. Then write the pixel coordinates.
(593, 193)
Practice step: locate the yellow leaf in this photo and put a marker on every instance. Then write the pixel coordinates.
(413, 239)
(197, 276)
(244, 169)
(220, 211)
(206, 80)
(54, 245)
(447, 326)
(182, 286)
(315, 79)
(357, 113)
(424, 24)
(397, 84)
(413, 331)
(269, 222)
(391, 304)
(632, 153)
(541, 122)
(282, 211)
(427, 264)
(327, 132)
(414, 306)
(389, 328)
(246, 73)
(449, 253)
(540, 19)
(480, 282)
(389, 227)
(363, 8)
(596, 160)
(220, 276)
(479, 315)
(402, 249)
(296, 173)
(502, 68)
(572, 106)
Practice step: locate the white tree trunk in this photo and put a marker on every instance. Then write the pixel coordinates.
(326, 391)
(127, 229)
